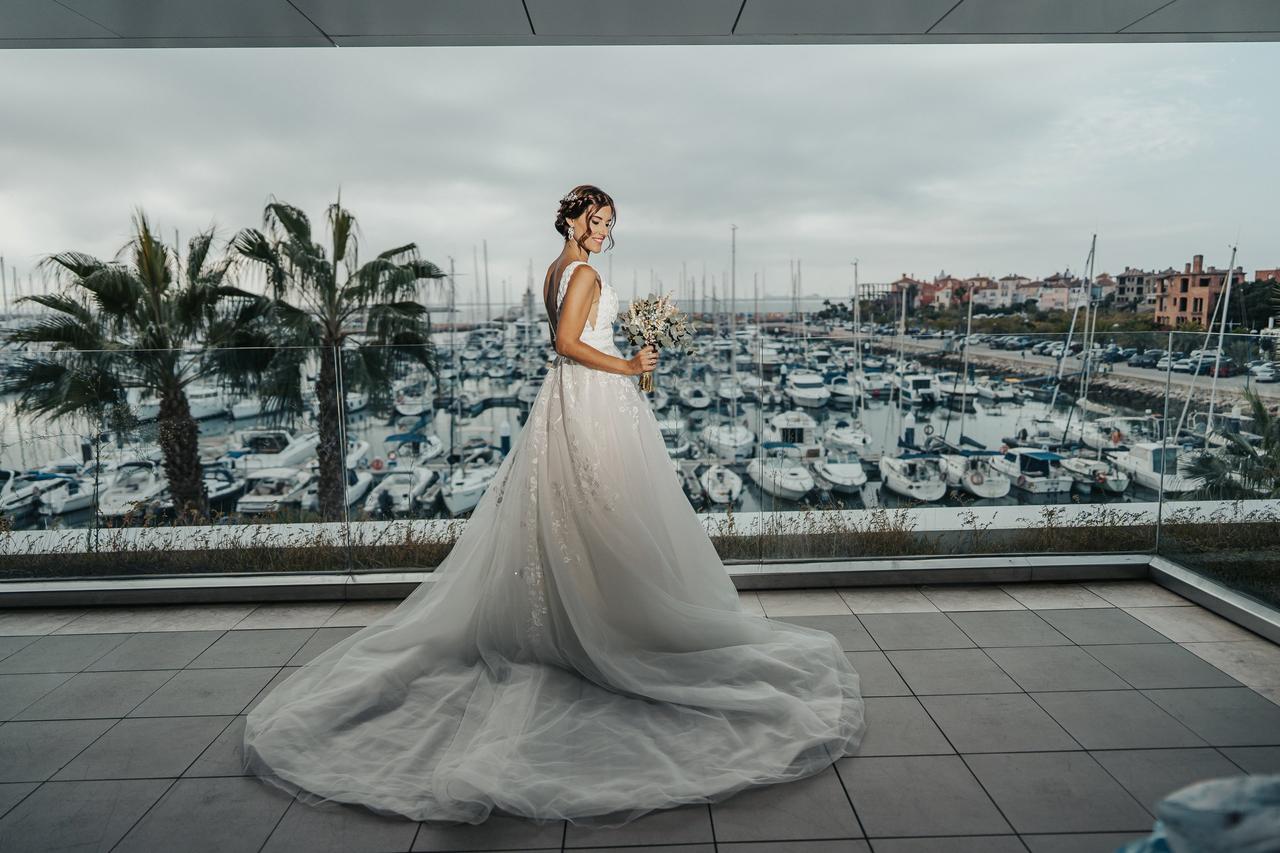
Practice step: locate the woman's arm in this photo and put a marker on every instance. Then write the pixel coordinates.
(572, 319)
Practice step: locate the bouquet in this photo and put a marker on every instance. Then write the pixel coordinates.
(655, 320)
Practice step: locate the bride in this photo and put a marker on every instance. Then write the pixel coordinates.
(581, 653)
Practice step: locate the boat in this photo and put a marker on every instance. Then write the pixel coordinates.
(842, 470)
(996, 391)
(795, 432)
(971, 471)
(1096, 474)
(729, 390)
(357, 486)
(271, 489)
(466, 485)
(917, 476)
(845, 433)
(1157, 466)
(732, 440)
(805, 388)
(222, 487)
(404, 488)
(1117, 432)
(23, 492)
(658, 399)
(916, 389)
(271, 447)
(720, 484)
(841, 386)
(1033, 470)
(134, 486)
(779, 473)
(872, 385)
(694, 396)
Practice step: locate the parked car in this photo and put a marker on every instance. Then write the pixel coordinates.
(1265, 373)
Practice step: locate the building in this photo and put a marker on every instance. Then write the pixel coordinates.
(1267, 275)
(1192, 295)
(1136, 289)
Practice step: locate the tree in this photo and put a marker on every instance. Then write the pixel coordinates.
(118, 326)
(319, 302)
(1242, 469)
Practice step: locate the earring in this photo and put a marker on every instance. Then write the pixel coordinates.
(570, 232)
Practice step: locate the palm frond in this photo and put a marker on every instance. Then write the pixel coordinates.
(289, 219)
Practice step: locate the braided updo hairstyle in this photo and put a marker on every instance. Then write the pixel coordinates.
(583, 197)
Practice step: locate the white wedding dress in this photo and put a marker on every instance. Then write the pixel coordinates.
(581, 654)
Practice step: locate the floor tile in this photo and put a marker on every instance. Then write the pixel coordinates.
(1254, 759)
(9, 645)
(36, 621)
(289, 615)
(1152, 774)
(997, 722)
(1008, 628)
(929, 671)
(497, 832)
(225, 756)
(34, 751)
(877, 675)
(12, 793)
(56, 653)
(253, 647)
(751, 602)
(19, 690)
(1254, 663)
(97, 694)
(201, 692)
(1055, 668)
(1223, 716)
(841, 845)
(886, 599)
(1115, 719)
(802, 602)
(158, 617)
(339, 828)
(951, 844)
(914, 631)
(1189, 624)
(1057, 792)
(156, 650)
(970, 597)
(808, 808)
(1083, 842)
(688, 824)
(82, 816)
(321, 640)
(1095, 626)
(1134, 594)
(145, 747)
(899, 725)
(847, 629)
(218, 815)
(918, 795)
(361, 613)
(1159, 665)
(1052, 595)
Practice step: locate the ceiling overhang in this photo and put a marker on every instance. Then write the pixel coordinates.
(376, 23)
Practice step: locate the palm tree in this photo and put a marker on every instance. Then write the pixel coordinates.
(361, 320)
(119, 326)
(1244, 470)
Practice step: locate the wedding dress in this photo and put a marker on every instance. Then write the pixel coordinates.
(580, 655)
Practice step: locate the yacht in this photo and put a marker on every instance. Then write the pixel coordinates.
(731, 440)
(273, 447)
(796, 432)
(357, 486)
(134, 485)
(971, 471)
(952, 387)
(1117, 432)
(805, 388)
(842, 387)
(720, 484)
(271, 489)
(1145, 461)
(995, 391)
(1034, 470)
(466, 485)
(694, 396)
(845, 433)
(917, 476)
(872, 385)
(916, 388)
(779, 473)
(1096, 474)
(729, 390)
(843, 470)
(405, 489)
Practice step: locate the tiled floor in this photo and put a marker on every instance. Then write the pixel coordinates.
(1025, 717)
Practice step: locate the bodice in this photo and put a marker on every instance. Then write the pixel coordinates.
(601, 336)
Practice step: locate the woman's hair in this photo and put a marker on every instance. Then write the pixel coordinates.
(583, 197)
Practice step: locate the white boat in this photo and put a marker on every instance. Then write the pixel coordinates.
(796, 432)
(731, 440)
(222, 486)
(272, 489)
(404, 488)
(271, 447)
(873, 385)
(245, 407)
(133, 486)
(951, 386)
(658, 399)
(971, 471)
(1145, 460)
(916, 388)
(1091, 474)
(842, 386)
(996, 391)
(844, 433)
(1034, 470)
(843, 470)
(780, 473)
(464, 488)
(1117, 432)
(729, 390)
(917, 476)
(720, 484)
(694, 396)
(357, 486)
(412, 398)
(805, 388)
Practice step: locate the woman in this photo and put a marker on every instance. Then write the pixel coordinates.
(581, 653)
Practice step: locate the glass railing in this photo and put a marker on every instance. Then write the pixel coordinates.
(795, 434)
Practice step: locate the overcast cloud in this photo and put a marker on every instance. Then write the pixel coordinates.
(972, 159)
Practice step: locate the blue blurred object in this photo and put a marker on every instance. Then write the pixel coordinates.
(1235, 814)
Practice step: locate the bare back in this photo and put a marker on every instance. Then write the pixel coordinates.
(550, 289)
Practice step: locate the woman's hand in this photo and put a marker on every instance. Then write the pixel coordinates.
(644, 360)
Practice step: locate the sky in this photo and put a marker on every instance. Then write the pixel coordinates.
(916, 159)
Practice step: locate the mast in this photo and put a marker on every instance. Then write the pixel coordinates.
(488, 305)
(964, 372)
(1217, 359)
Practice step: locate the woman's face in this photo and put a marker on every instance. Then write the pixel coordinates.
(596, 225)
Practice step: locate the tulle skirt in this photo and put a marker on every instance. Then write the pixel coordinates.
(580, 655)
